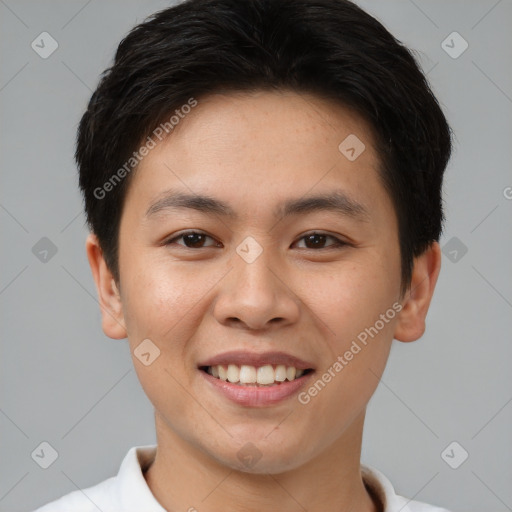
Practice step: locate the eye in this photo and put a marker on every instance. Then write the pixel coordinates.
(192, 240)
(196, 240)
(317, 241)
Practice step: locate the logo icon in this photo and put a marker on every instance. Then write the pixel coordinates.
(454, 250)
(249, 250)
(351, 147)
(45, 455)
(454, 455)
(454, 45)
(44, 250)
(44, 45)
(249, 455)
(146, 352)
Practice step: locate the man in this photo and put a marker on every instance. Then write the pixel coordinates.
(262, 180)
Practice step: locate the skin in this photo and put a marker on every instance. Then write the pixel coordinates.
(253, 151)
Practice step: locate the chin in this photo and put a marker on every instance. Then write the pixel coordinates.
(257, 454)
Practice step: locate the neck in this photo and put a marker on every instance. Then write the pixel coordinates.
(182, 477)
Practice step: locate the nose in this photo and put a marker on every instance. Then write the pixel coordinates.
(256, 295)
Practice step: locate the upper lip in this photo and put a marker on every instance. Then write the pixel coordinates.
(241, 357)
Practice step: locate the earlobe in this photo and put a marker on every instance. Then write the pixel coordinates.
(108, 294)
(411, 320)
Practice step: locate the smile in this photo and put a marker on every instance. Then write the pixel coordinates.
(253, 379)
(248, 375)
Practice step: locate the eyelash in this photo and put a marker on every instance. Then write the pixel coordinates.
(337, 244)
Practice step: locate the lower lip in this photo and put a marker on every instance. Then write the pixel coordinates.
(256, 396)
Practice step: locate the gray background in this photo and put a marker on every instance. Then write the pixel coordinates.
(64, 382)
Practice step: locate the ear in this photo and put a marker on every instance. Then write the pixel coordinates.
(109, 298)
(411, 320)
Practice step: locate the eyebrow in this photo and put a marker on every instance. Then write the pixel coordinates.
(336, 201)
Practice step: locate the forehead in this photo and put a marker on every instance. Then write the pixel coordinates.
(270, 124)
(253, 148)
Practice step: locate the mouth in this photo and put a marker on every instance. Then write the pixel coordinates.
(256, 380)
(261, 376)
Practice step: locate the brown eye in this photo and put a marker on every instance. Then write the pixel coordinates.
(191, 239)
(318, 240)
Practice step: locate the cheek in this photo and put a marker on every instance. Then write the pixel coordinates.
(159, 306)
(359, 306)
(357, 358)
(354, 298)
(158, 297)
(165, 302)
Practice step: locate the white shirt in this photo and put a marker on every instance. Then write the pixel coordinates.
(129, 492)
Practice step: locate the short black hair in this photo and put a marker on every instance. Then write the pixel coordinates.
(331, 48)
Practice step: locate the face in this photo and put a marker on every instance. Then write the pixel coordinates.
(264, 286)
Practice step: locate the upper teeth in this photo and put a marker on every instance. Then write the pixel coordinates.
(245, 374)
